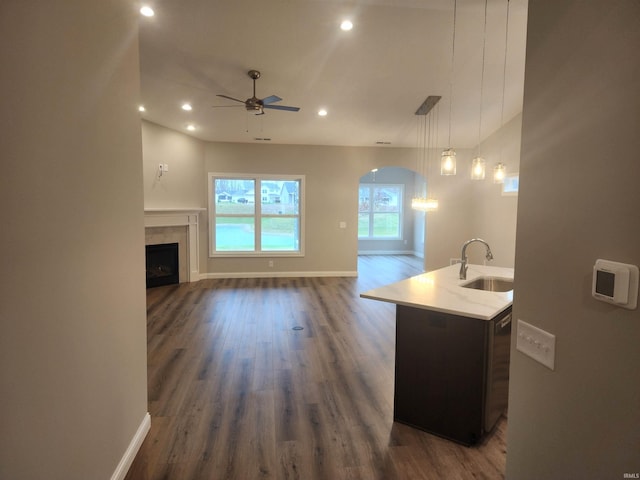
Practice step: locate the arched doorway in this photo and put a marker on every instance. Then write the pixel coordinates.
(387, 225)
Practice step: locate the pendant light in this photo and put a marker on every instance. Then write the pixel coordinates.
(418, 201)
(478, 164)
(478, 168)
(425, 203)
(500, 170)
(448, 157)
(432, 201)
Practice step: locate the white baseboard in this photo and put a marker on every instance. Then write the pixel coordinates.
(386, 252)
(132, 449)
(277, 274)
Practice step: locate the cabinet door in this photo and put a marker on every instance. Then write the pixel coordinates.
(440, 373)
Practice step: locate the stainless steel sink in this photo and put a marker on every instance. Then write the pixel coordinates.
(490, 284)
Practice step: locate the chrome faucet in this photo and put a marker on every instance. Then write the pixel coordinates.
(463, 256)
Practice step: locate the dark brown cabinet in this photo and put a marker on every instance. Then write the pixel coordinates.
(451, 372)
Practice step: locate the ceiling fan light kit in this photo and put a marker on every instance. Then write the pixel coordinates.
(257, 105)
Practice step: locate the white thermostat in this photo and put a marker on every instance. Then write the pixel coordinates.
(615, 283)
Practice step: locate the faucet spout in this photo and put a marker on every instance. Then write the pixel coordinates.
(463, 256)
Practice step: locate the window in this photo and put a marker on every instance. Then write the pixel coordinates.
(380, 211)
(511, 184)
(255, 215)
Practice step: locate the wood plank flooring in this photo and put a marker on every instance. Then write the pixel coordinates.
(235, 392)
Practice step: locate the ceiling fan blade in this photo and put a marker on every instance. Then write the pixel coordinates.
(230, 98)
(282, 107)
(271, 99)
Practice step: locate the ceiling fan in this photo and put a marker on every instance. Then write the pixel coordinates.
(256, 105)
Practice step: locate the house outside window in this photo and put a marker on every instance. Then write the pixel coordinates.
(253, 215)
(380, 212)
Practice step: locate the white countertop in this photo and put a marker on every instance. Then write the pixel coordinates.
(440, 291)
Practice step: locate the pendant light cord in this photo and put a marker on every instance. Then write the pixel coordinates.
(453, 53)
(504, 67)
(484, 48)
(504, 74)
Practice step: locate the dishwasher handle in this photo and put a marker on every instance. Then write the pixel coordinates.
(503, 322)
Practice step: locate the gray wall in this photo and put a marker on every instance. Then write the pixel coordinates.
(578, 202)
(462, 214)
(182, 185)
(73, 342)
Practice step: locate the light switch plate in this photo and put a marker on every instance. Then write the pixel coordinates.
(536, 343)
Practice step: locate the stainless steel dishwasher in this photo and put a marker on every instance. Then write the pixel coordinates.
(497, 385)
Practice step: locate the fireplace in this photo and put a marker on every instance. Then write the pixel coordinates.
(162, 264)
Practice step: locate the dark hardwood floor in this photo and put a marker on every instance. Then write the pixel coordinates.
(237, 392)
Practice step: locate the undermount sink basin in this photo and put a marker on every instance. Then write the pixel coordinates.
(490, 284)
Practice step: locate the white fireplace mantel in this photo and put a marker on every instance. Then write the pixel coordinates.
(177, 217)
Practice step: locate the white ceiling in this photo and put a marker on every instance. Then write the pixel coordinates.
(370, 79)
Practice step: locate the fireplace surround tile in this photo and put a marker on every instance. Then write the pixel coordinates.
(180, 226)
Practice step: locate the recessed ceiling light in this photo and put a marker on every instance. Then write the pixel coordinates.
(191, 128)
(346, 25)
(187, 107)
(141, 108)
(322, 112)
(147, 11)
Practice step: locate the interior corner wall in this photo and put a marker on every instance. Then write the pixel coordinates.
(73, 344)
(494, 218)
(183, 185)
(578, 202)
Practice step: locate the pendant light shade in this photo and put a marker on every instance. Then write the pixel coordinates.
(424, 204)
(478, 168)
(448, 162)
(499, 172)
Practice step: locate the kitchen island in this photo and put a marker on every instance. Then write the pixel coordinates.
(452, 351)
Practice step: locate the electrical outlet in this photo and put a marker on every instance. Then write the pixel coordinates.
(271, 263)
(537, 344)
(166, 167)
(453, 261)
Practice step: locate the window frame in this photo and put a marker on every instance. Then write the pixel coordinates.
(372, 187)
(258, 215)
